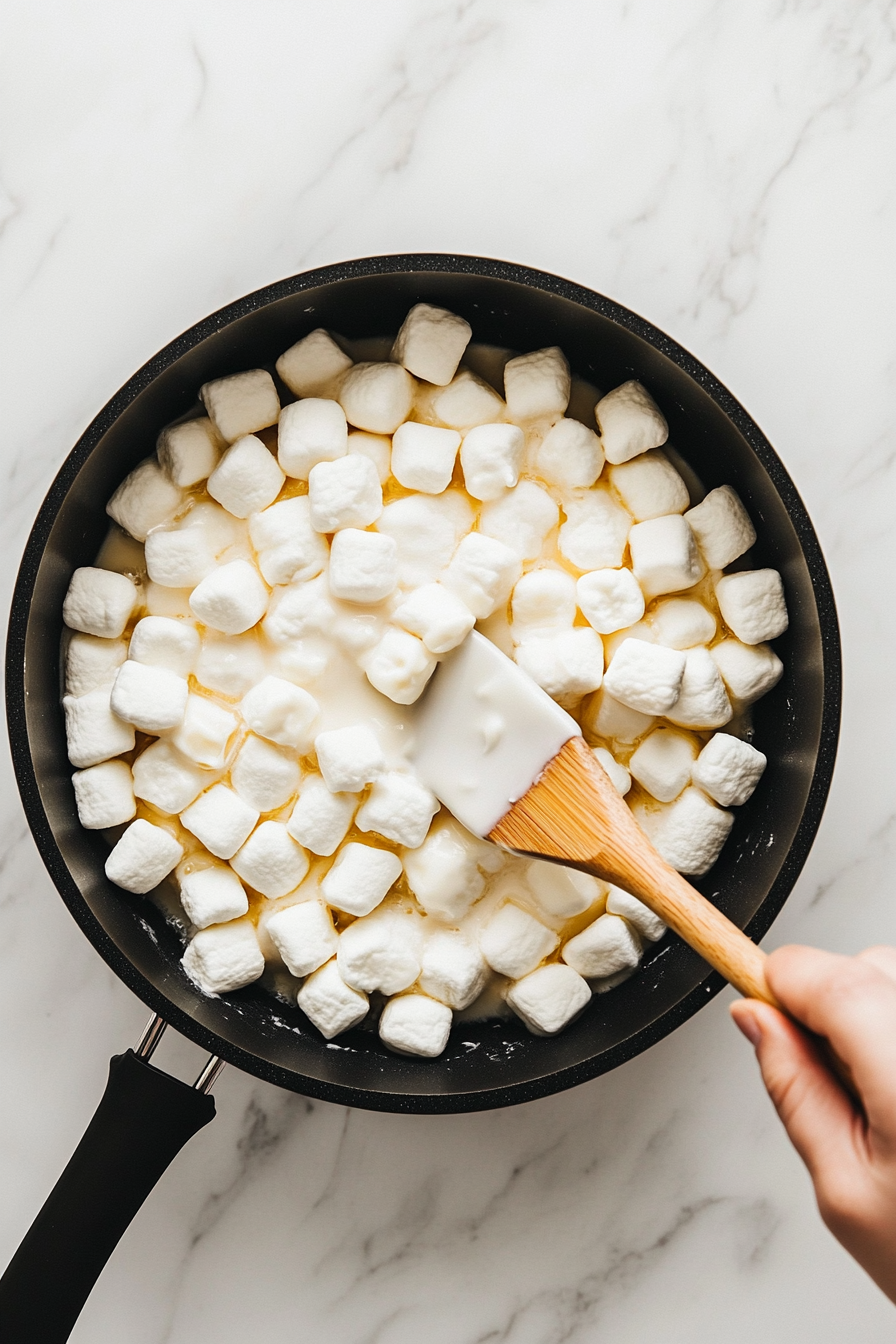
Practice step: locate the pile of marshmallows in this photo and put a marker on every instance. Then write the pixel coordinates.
(292, 589)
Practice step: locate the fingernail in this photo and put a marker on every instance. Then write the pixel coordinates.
(750, 1028)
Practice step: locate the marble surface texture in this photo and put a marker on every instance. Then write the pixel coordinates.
(727, 171)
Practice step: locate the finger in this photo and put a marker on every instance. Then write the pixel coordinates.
(884, 958)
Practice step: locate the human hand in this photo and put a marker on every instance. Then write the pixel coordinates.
(851, 1157)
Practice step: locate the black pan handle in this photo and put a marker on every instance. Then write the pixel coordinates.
(143, 1120)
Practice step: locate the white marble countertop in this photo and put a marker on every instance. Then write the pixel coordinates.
(727, 171)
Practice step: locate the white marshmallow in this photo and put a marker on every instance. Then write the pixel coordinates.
(151, 698)
(220, 820)
(398, 807)
(521, 519)
(610, 599)
(537, 384)
(363, 566)
(443, 873)
(543, 599)
(310, 431)
(298, 610)
(144, 855)
(283, 713)
(630, 422)
(104, 795)
(665, 558)
(727, 768)
(91, 662)
(320, 818)
(212, 894)
(344, 493)
(646, 677)
(172, 602)
(423, 456)
(641, 631)
(92, 732)
(649, 486)
(682, 623)
(349, 758)
(649, 926)
(663, 763)
(606, 947)
(399, 666)
(722, 527)
(431, 343)
(206, 733)
(230, 664)
(231, 599)
(491, 457)
(159, 641)
(752, 604)
(513, 942)
(178, 557)
(467, 401)
(242, 403)
(453, 970)
(99, 602)
(619, 776)
(312, 366)
(270, 861)
(569, 455)
(359, 880)
(144, 500)
(377, 397)
(188, 453)
(549, 999)
(330, 1004)
(482, 572)
(378, 447)
(247, 478)
(166, 779)
(563, 892)
(382, 951)
(565, 663)
(225, 535)
(224, 957)
(702, 701)
(748, 670)
(263, 775)
(605, 716)
(304, 936)
(688, 833)
(289, 549)
(426, 530)
(436, 616)
(596, 530)
(415, 1024)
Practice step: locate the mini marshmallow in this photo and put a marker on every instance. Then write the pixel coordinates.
(320, 819)
(682, 623)
(436, 616)
(382, 951)
(188, 453)
(166, 779)
(313, 365)
(230, 664)
(377, 447)
(283, 713)
(224, 957)
(270, 861)
(727, 768)
(688, 833)
(752, 604)
(376, 397)
(99, 602)
(619, 776)
(298, 610)
(247, 478)
(344, 493)
(360, 879)
(349, 758)
(310, 431)
(363, 566)
(610, 599)
(415, 1024)
(596, 530)
(330, 1004)
(426, 530)
(491, 457)
(649, 926)
(304, 936)
(241, 404)
(630, 422)
(513, 942)
(702, 701)
(562, 892)
(722, 527)
(646, 677)
(569, 456)
(92, 732)
(205, 733)
(151, 698)
(537, 384)
(158, 641)
(212, 895)
(431, 343)
(172, 602)
(220, 820)
(605, 716)
(91, 662)
(423, 456)
(640, 631)
(543, 599)
(606, 947)
(665, 558)
(481, 573)
(549, 999)
(663, 763)
(399, 666)
(104, 795)
(144, 855)
(178, 557)
(748, 670)
(263, 775)
(144, 500)
(224, 534)
(398, 807)
(565, 662)
(453, 969)
(443, 873)
(288, 547)
(231, 599)
(521, 519)
(649, 486)
(467, 401)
